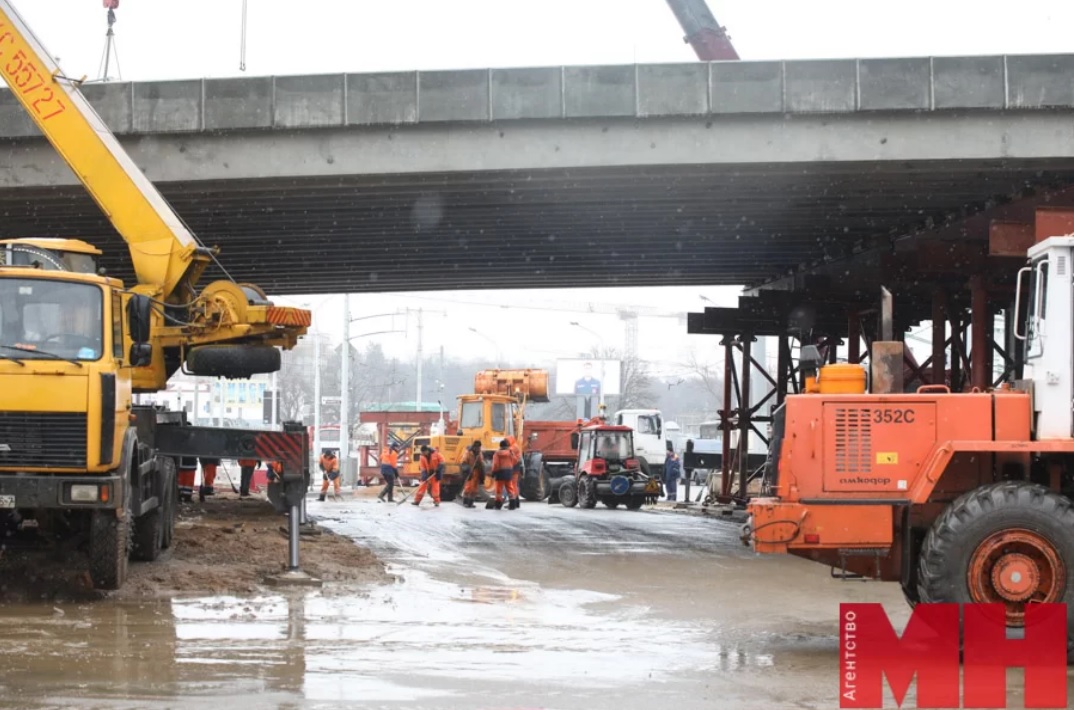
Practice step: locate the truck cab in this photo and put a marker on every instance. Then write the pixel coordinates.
(650, 436)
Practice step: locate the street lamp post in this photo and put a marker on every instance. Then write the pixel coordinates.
(603, 381)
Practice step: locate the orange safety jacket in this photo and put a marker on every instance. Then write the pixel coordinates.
(390, 457)
(329, 463)
(431, 464)
(503, 458)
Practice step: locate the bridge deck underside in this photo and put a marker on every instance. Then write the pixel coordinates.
(654, 226)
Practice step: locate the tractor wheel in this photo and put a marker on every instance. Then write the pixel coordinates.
(169, 504)
(1010, 543)
(450, 492)
(587, 492)
(612, 503)
(568, 493)
(635, 502)
(109, 547)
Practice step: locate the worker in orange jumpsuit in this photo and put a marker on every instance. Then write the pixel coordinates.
(246, 472)
(330, 474)
(187, 472)
(432, 470)
(389, 471)
(473, 465)
(208, 477)
(516, 473)
(503, 465)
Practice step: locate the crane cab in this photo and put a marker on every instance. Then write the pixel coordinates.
(72, 255)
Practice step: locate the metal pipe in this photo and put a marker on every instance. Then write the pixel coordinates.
(292, 532)
(783, 363)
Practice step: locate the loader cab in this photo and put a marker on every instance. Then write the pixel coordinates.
(487, 417)
(1045, 294)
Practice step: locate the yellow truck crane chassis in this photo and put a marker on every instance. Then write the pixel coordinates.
(76, 455)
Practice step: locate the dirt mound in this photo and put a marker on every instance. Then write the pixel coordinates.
(223, 546)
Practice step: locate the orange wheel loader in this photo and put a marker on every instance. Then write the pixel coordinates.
(958, 497)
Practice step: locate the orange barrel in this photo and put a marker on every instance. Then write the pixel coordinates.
(842, 379)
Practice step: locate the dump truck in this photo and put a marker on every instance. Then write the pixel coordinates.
(960, 497)
(77, 457)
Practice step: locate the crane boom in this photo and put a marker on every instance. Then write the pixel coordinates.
(165, 253)
(703, 32)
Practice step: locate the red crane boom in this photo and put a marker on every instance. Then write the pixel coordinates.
(703, 32)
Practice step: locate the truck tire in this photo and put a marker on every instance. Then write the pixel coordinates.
(449, 492)
(235, 361)
(587, 492)
(148, 535)
(1023, 525)
(109, 547)
(535, 487)
(170, 488)
(568, 493)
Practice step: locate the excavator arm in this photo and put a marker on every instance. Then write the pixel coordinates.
(167, 258)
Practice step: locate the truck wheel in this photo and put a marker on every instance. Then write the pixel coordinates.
(109, 547)
(171, 494)
(148, 535)
(587, 492)
(449, 493)
(644, 467)
(568, 493)
(1010, 543)
(634, 502)
(612, 503)
(535, 487)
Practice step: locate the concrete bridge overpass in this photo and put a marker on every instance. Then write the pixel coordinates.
(723, 173)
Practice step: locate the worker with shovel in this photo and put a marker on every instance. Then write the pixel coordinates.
(432, 470)
(503, 469)
(473, 467)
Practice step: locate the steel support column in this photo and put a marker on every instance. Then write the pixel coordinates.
(783, 365)
(744, 418)
(854, 338)
(980, 370)
(725, 417)
(956, 350)
(939, 338)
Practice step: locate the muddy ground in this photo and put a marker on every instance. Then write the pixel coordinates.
(223, 546)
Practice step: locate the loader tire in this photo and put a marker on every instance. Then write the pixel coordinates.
(170, 489)
(1022, 526)
(109, 548)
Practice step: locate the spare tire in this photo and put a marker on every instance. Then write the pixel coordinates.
(234, 361)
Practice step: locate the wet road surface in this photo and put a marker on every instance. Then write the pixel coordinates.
(544, 607)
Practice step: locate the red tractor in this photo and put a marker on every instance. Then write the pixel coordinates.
(606, 470)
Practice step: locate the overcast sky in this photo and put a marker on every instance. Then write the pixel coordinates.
(169, 39)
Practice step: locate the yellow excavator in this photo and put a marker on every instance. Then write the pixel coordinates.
(77, 456)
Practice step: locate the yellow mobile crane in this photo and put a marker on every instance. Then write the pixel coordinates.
(76, 455)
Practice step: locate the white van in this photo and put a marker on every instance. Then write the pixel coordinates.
(650, 436)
